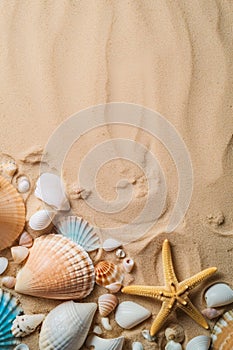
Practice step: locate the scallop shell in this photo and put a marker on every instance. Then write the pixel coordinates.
(128, 264)
(41, 219)
(107, 273)
(25, 240)
(3, 264)
(50, 189)
(26, 324)
(111, 244)
(8, 166)
(218, 294)
(79, 231)
(172, 345)
(107, 303)
(201, 342)
(19, 253)
(175, 332)
(8, 281)
(56, 268)
(137, 346)
(66, 326)
(9, 309)
(105, 344)
(129, 314)
(12, 214)
(222, 334)
(23, 184)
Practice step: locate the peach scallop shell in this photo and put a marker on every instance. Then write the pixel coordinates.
(107, 273)
(56, 268)
(12, 214)
(222, 334)
(107, 303)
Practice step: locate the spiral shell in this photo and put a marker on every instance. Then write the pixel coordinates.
(175, 332)
(56, 268)
(129, 314)
(107, 273)
(201, 342)
(107, 303)
(23, 184)
(219, 294)
(105, 344)
(222, 334)
(41, 219)
(26, 324)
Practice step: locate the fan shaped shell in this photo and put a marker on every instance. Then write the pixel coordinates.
(107, 303)
(56, 268)
(222, 334)
(79, 231)
(66, 326)
(105, 344)
(201, 342)
(107, 273)
(12, 214)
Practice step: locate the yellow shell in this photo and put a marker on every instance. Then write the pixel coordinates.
(56, 268)
(107, 273)
(12, 214)
(222, 334)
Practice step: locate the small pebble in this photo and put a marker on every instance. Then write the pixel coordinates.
(97, 330)
(106, 324)
(120, 253)
(3, 264)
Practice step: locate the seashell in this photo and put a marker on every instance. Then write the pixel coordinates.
(212, 313)
(120, 253)
(79, 231)
(26, 240)
(66, 326)
(50, 189)
(105, 344)
(147, 336)
(41, 219)
(218, 294)
(201, 342)
(222, 334)
(12, 214)
(9, 309)
(53, 256)
(22, 347)
(23, 184)
(172, 345)
(107, 273)
(137, 346)
(129, 314)
(111, 244)
(3, 264)
(8, 166)
(26, 324)
(106, 323)
(107, 303)
(19, 253)
(128, 264)
(8, 281)
(114, 287)
(175, 332)
(97, 330)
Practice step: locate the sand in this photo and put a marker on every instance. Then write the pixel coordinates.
(60, 57)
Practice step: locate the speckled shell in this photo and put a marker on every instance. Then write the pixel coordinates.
(201, 342)
(222, 334)
(107, 303)
(66, 326)
(219, 294)
(12, 214)
(56, 268)
(8, 166)
(105, 344)
(26, 324)
(129, 314)
(107, 273)
(175, 332)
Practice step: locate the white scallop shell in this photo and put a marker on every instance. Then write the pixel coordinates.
(22, 347)
(172, 345)
(19, 253)
(137, 346)
(26, 324)
(50, 189)
(8, 281)
(219, 294)
(128, 264)
(106, 323)
(107, 303)
(201, 342)
(3, 264)
(111, 244)
(66, 326)
(26, 240)
(41, 219)
(105, 344)
(130, 314)
(23, 184)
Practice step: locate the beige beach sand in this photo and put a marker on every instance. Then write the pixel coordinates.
(174, 57)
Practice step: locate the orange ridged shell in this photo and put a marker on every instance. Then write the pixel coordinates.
(12, 214)
(107, 273)
(222, 334)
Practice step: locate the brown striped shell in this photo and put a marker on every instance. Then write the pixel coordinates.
(222, 334)
(107, 303)
(107, 273)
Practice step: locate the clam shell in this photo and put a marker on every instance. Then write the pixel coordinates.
(107, 303)
(9, 309)
(172, 345)
(8, 281)
(105, 344)
(111, 244)
(129, 314)
(128, 264)
(175, 332)
(25, 240)
(56, 268)
(66, 326)
(107, 273)
(23, 184)
(201, 342)
(41, 219)
(26, 324)
(114, 287)
(12, 214)
(3, 264)
(137, 346)
(218, 294)
(79, 231)
(19, 253)
(50, 189)
(222, 334)
(22, 347)
(212, 313)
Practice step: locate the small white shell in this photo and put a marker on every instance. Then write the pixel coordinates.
(106, 323)
(26, 240)
(172, 345)
(128, 264)
(19, 253)
(147, 336)
(137, 346)
(175, 332)
(26, 324)
(22, 347)
(130, 314)
(23, 184)
(8, 281)
(107, 303)
(219, 294)
(105, 344)
(212, 313)
(201, 342)
(3, 264)
(97, 330)
(120, 253)
(41, 219)
(114, 287)
(111, 244)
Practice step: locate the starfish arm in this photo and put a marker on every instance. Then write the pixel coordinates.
(193, 281)
(192, 312)
(160, 319)
(169, 273)
(146, 291)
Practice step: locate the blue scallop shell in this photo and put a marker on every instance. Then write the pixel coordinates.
(79, 231)
(9, 309)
